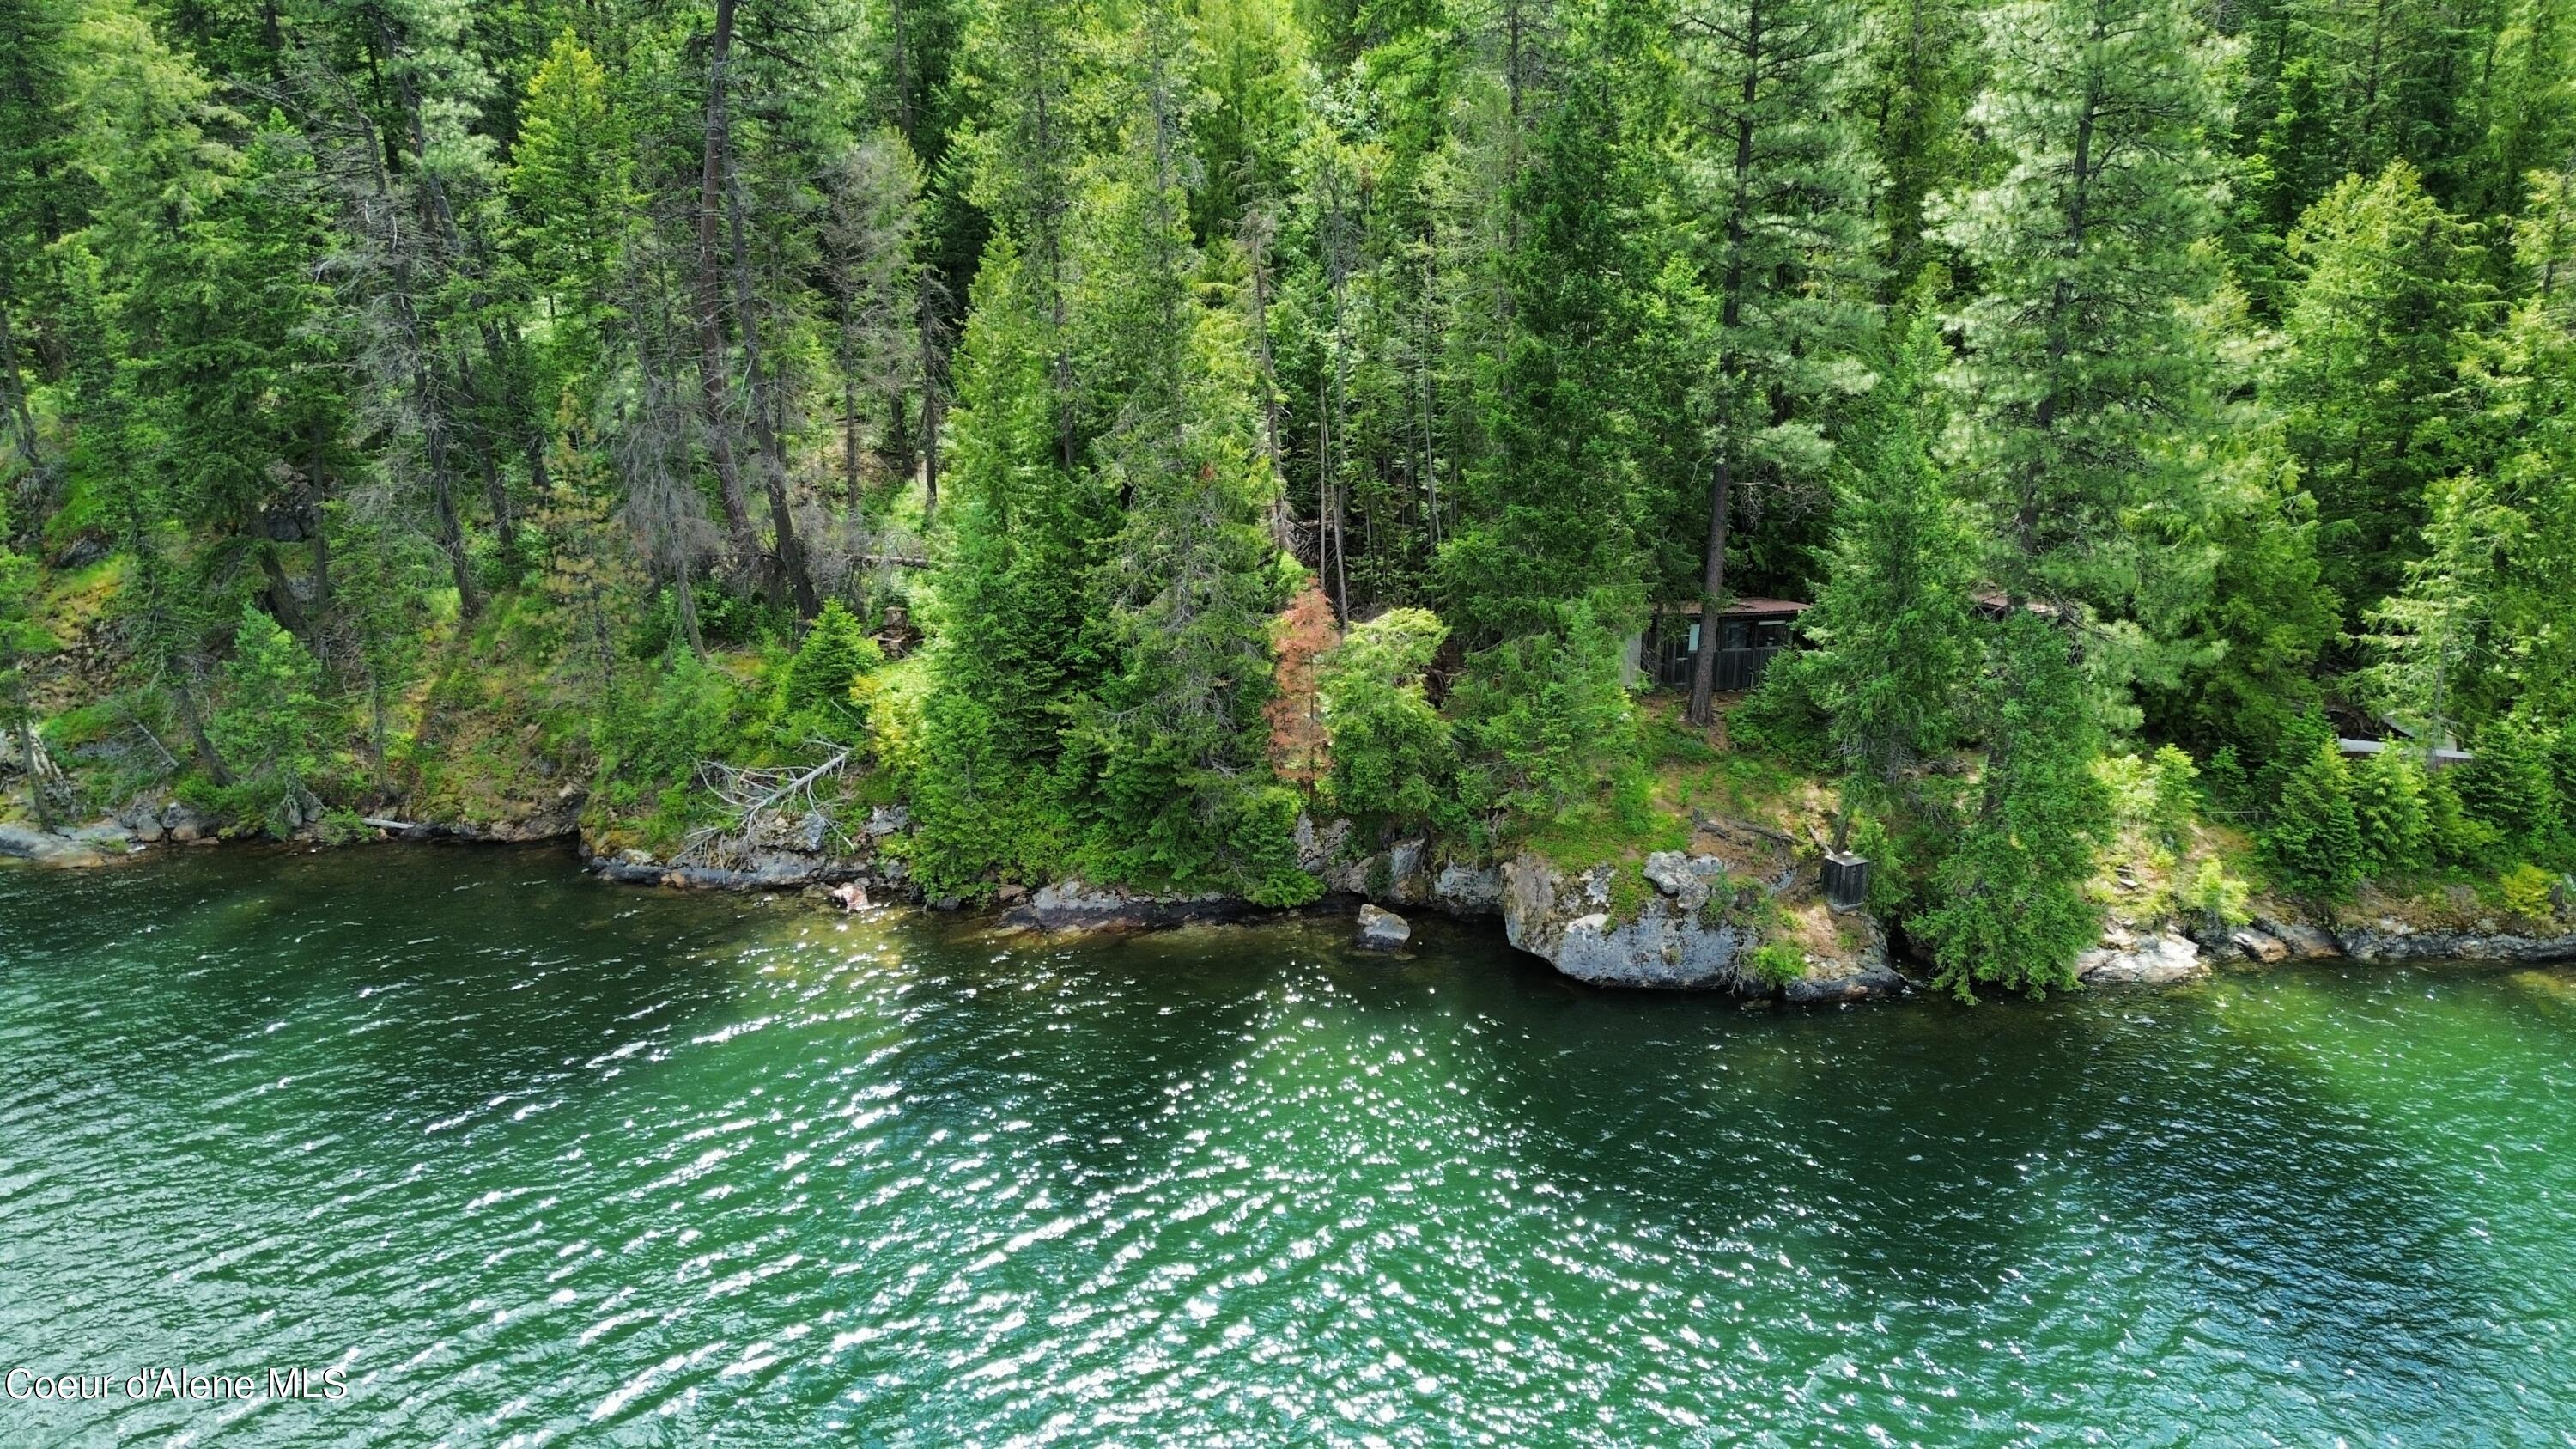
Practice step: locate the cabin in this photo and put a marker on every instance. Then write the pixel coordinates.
(1749, 633)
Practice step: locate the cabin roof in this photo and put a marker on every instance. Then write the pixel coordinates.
(1742, 608)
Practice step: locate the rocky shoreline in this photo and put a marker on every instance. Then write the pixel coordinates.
(1694, 923)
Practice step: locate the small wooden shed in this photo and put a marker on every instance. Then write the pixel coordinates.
(1749, 633)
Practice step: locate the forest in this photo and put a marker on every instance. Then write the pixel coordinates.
(1114, 429)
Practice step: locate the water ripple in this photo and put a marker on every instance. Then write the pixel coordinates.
(535, 1159)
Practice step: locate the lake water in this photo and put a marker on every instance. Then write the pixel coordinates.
(529, 1158)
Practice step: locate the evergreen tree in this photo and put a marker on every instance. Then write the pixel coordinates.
(1778, 193)
(273, 722)
(816, 689)
(571, 187)
(1894, 635)
(2368, 387)
(2313, 844)
(2083, 357)
(1012, 647)
(2010, 906)
(1394, 763)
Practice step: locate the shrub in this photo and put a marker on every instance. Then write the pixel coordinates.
(1775, 964)
(2453, 836)
(2173, 798)
(817, 696)
(2214, 898)
(2222, 781)
(2390, 813)
(2313, 845)
(2526, 892)
(1544, 720)
(2511, 788)
(272, 723)
(1394, 764)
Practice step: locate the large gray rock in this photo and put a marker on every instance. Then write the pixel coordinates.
(2304, 942)
(2126, 960)
(25, 842)
(1381, 930)
(185, 824)
(1667, 941)
(1463, 890)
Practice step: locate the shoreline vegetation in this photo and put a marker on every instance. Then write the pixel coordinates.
(1112, 464)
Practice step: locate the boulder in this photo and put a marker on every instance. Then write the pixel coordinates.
(1320, 846)
(2125, 960)
(2394, 941)
(1074, 905)
(2260, 946)
(1381, 930)
(104, 834)
(185, 825)
(887, 820)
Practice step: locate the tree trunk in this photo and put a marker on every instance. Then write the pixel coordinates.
(787, 552)
(184, 695)
(1712, 578)
(1712, 595)
(282, 603)
(22, 420)
(712, 389)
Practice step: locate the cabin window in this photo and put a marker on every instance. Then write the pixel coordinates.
(1771, 634)
(1730, 634)
(1693, 645)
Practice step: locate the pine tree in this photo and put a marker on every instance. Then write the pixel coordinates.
(1779, 224)
(2085, 364)
(1171, 751)
(1893, 631)
(816, 689)
(589, 572)
(572, 189)
(2368, 387)
(1012, 646)
(2313, 844)
(273, 722)
(2011, 909)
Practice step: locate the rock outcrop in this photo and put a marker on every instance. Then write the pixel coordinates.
(2127, 959)
(43, 847)
(1682, 935)
(2391, 940)
(1075, 905)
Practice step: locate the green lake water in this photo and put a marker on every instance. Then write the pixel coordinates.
(530, 1158)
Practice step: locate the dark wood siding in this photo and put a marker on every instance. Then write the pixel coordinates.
(1744, 650)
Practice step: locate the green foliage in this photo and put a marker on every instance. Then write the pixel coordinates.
(2087, 237)
(1394, 765)
(2510, 788)
(816, 695)
(2313, 844)
(1776, 964)
(2391, 814)
(2214, 898)
(1893, 628)
(655, 740)
(2525, 890)
(272, 723)
(2010, 907)
(1543, 719)
(2368, 385)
